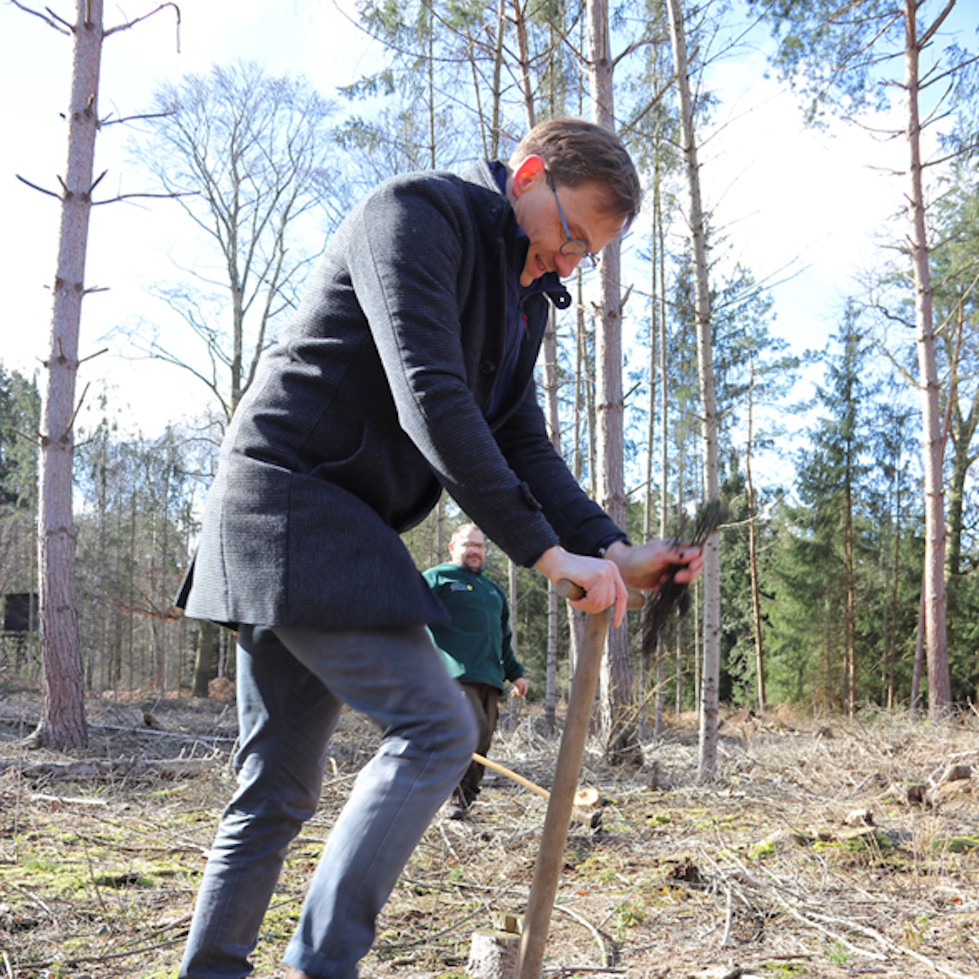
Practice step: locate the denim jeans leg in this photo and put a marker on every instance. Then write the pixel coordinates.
(286, 716)
(397, 678)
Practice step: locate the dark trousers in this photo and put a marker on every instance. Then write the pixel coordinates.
(484, 701)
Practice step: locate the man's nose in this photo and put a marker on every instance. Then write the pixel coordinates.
(565, 264)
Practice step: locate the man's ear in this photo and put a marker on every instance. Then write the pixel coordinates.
(527, 174)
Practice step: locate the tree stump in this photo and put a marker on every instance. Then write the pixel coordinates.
(493, 954)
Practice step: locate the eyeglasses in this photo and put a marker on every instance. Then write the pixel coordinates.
(572, 247)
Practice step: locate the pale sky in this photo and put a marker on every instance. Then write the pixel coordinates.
(127, 241)
(784, 195)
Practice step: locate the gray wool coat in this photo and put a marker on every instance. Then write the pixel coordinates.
(368, 406)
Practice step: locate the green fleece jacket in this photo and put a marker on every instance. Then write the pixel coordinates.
(475, 642)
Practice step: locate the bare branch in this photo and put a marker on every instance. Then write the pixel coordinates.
(939, 20)
(98, 353)
(96, 182)
(127, 197)
(954, 70)
(963, 151)
(35, 438)
(78, 407)
(61, 20)
(133, 23)
(49, 17)
(42, 190)
(107, 121)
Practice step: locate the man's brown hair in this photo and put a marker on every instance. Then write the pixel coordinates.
(577, 152)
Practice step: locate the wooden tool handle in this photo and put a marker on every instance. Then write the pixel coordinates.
(519, 779)
(568, 589)
(550, 858)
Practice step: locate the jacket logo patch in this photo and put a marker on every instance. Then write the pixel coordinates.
(460, 586)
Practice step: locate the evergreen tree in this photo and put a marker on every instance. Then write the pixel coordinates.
(834, 532)
(20, 420)
(835, 53)
(20, 417)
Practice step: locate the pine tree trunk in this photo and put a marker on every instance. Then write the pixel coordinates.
(645, 654)
(753, 551)
(892, 637)
(828, 647)
(849, 605)
(497, 70)
(205, 660)
(885, 630)
(576, 620)
(659, 317)
(962, 430)
(712, 576)
(520, 22)
(936, 641)
(549, 375)
(919, 655)
(664, 442)
(616, 680)
(62, 721)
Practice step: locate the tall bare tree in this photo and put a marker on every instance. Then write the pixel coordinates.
(710, 687)
(616, 678)
(549, 387)
(249, 159)
(932, 442)
(62, 722)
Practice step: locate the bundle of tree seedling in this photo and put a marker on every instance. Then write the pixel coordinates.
(674, 595)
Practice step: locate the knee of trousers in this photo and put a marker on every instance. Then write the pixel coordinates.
(441, 723)
(283, 790)
(449, 732)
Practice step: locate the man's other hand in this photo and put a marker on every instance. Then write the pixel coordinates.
(646, 566)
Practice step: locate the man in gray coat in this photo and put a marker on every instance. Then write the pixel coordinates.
(408, 369)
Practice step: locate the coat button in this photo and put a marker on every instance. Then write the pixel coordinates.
(488, 366)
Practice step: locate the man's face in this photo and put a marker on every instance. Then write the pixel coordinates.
(535, 204)
(469, 551)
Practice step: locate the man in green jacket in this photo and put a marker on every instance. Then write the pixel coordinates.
(475, 644)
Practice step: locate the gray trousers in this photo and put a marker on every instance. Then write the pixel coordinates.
(292, 682)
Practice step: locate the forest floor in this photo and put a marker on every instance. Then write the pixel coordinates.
(825, 847)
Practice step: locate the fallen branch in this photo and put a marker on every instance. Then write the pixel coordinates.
(596, 934)
(124, 767)
(66, 800)
(813, 919)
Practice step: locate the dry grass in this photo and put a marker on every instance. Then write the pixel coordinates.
(804, 858)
